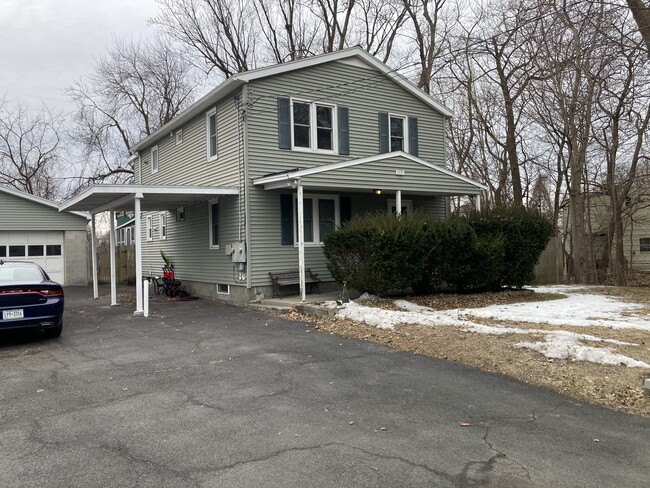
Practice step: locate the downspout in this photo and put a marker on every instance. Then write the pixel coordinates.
(246, 182)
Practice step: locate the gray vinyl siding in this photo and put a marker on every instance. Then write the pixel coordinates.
(381, 174)
(187, 244)
(22, 214)
(269, 255)
(333, 83)
(187, 163)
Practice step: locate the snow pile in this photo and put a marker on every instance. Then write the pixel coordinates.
(577, 310)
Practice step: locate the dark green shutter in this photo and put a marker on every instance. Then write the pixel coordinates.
(384, 135)
(286, 219)
(344, 130)
(413, 136)
(345, 205)
(284, 123)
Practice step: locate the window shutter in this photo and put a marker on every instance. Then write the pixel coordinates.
(284, 123)
(345, 205)
(413, 136)
(344, 130)
(384, 136)
(286, 219)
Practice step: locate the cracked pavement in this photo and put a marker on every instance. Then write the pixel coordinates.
(204, 394)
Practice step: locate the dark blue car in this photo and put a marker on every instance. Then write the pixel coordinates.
(29, 299)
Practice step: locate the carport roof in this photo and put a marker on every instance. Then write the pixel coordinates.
(100, 198)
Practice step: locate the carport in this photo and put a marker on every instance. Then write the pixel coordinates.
(138, 198)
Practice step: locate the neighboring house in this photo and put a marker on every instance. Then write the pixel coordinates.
(125, 229)
(331, 136)
(32, 229)
(636, 229)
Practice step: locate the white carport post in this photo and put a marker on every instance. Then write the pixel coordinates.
(398, 202)
(478, 202)
(138, 257)
(112, 251)
(93, 241)
(301, 242)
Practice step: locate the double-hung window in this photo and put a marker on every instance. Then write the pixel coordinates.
(644, 244)
(398, 133)
(211, 134)
(321, 217)
(313, 126)
(149, 227)
(162, 221)
(213, 216)
(154, 160)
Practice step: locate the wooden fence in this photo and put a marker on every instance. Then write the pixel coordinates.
(124, 264)
(550, 267)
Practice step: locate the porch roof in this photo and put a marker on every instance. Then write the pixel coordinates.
(101, 198)
(391, 171)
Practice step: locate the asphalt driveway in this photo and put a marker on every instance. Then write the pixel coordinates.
(212, 395)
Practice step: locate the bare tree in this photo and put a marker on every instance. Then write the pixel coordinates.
(30, 150)
(133, 90)
(222, 32)
(641, 13)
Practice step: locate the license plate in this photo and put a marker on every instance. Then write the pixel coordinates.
(13, 314)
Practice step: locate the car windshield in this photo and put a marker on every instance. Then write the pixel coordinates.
(19, 274)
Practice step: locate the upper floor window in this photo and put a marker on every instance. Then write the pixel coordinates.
(644, 244)
(211, 133)
(398, 133)
(313, 126)
(154, 159)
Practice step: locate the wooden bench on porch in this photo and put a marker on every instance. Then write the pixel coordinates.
(288, 278)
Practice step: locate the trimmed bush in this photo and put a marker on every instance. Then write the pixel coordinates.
(525, 235)
(380, 253)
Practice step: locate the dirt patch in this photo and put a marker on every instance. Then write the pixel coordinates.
(615, 387)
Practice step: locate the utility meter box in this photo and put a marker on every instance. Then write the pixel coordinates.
(238, 252)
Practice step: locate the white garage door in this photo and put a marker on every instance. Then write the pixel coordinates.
(42, 247)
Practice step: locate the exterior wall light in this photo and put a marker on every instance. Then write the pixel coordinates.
(377, 191)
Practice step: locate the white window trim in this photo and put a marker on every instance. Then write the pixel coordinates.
(149, 227)
(405, 203)
(179, 136)
(210, 203)
(156, 165)
(315, 216)
(313, 130)
(207, 134)
(406, 131)
(223, 292)
(162, 224)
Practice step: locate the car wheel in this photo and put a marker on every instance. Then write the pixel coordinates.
(54, 332)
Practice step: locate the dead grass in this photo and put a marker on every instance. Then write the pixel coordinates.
(615, 387)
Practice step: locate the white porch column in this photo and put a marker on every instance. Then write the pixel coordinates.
(478, 202)
(112, 254)
(398, 202)
(93, 241)
(301, 242)
(138, 257)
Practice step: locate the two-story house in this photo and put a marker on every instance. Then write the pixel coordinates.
(330, 137)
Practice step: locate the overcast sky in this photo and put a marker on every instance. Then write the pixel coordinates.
(47, 44)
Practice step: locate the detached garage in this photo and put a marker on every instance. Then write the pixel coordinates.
(33, 229)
